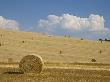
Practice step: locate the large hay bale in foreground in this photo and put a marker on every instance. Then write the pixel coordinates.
(31, 64)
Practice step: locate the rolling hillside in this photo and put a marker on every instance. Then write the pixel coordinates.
(51, 48)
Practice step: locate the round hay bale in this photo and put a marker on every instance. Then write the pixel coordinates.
(93, 60)
(31, 64)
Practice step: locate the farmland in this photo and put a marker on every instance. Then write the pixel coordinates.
(66, 59)
(62, 74)
(16, 45)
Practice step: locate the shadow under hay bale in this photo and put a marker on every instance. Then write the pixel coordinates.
(13, 71)
(31, 64)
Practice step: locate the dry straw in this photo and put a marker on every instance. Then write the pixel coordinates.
(31, 64)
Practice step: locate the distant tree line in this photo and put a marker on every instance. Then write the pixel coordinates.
(104, 40)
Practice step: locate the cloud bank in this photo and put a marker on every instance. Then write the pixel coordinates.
(8, 24)
(73, 23)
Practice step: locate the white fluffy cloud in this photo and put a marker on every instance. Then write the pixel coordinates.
(8, 24)
(73, 23)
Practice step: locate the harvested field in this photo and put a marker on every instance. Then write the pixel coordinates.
(59, 75)
(65, 59)
(72, 49)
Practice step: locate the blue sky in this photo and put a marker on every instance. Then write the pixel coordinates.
(28, 13)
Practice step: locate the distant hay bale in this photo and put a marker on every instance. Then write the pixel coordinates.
(93, 60)
(1, 35)
(0, 44)
(31, 64)
(60, 52)
(100, 51)
(81, 38)
(23, 41)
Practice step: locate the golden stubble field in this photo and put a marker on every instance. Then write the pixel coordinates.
(18, 44)
(66, 59)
